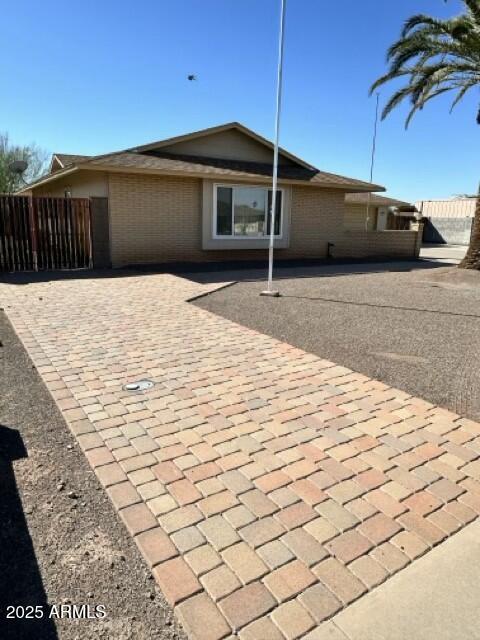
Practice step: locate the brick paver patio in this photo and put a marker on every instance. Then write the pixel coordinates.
(267, 488)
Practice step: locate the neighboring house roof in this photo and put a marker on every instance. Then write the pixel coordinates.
(375, 199)
(151, 159)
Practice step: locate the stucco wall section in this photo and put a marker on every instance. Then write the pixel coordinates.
(85, 184)
(230, 144)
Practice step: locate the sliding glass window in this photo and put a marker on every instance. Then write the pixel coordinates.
(244, 212)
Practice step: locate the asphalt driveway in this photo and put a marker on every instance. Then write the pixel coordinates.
(415, 326)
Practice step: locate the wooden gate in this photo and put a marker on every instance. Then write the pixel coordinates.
(44, 233)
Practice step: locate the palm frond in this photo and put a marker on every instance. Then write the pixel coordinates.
(460, 94)
(419, 44)
(386, 78)
(474, 9)
(419, 105)
(436, 56)
(422, 20)
(395, 100)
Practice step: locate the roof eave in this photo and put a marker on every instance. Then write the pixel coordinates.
(369, 188)
(88, 166)
(388, 202)
(51, 177)
(348, 188)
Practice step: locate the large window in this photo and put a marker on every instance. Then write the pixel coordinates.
(244, 212)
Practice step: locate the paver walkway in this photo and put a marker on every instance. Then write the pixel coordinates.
(266, 487)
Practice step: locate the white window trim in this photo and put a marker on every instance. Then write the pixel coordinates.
(215, 236)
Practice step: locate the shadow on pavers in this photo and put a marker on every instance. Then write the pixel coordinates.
(239, 270)
(20, 579)
(249, 271)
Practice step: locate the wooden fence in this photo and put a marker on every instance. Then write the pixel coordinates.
(44, 233)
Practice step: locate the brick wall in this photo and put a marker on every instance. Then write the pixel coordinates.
(316, 219)
(356, 216)
(154, 218)
(363, 244)
(158, 219)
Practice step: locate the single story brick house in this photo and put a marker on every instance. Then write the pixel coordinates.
(205, 196)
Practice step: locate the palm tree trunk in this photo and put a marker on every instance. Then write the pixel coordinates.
(472, 257)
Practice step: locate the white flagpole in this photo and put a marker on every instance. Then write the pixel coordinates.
(269, 291)
(372, 162)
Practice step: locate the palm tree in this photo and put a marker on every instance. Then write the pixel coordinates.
(437, 56)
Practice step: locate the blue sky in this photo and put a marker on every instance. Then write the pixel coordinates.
(100, 75)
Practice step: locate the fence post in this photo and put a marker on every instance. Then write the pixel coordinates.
(33, 233)
(90, 232)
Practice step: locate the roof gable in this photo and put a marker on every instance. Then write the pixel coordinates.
(231, 141)
(62, 160)
(55, 164)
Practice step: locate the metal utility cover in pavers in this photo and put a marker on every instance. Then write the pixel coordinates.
(266, 487)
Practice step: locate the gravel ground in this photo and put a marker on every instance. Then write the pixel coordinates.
(415, 326)
(60, 539)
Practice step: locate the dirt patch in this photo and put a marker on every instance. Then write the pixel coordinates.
(95, 547)
(60, 539)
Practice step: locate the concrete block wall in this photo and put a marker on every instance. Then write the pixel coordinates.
(367, 244)
(448, 230)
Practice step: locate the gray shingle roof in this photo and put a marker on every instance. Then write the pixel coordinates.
(214, 167)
